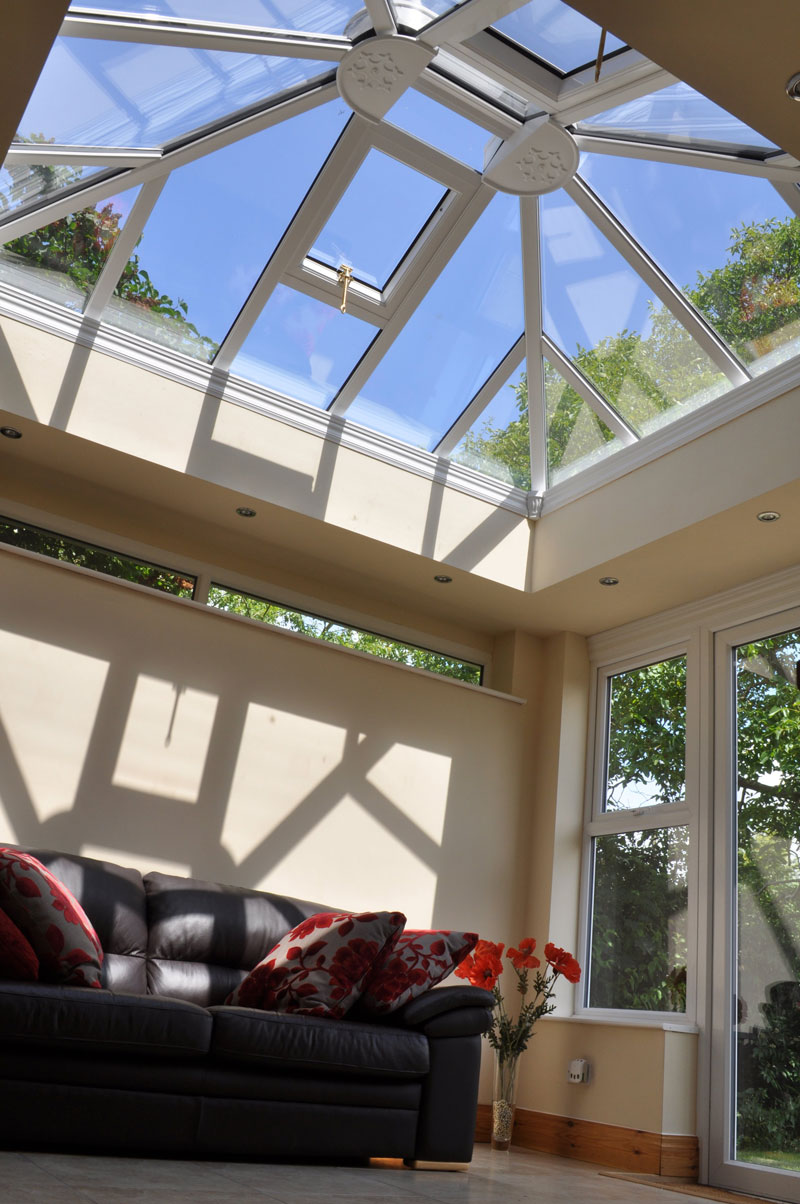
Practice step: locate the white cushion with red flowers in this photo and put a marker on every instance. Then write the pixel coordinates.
(52, 919)
(318, 968)
(419, 960)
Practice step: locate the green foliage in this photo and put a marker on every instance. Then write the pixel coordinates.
(338, 633)
(753, 301)
(78, 245)
(768, 1104)
(59, 547)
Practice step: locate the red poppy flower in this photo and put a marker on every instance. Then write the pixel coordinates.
(483, 967)
(562, 962)
(522, 958)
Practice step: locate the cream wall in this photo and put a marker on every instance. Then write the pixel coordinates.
(160, 733)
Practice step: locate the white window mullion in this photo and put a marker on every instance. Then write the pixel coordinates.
(670, 296)
(123, 248)
(586, 390)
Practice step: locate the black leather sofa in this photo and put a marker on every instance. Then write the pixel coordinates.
(156, 1064)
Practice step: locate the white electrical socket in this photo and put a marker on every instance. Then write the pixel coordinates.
(578, 1071)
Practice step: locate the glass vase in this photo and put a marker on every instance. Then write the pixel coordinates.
(503, 1095)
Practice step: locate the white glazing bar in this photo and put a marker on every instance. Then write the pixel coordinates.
(381, 16)
(38, 154)
(176, 31)
(532, 285)
(481, 399)
(524, 77)
(123, 248)
(470, 209)
(790, 193)
(586, 390)
(279, 109)
(678, 305)
(320, 201)
(423, 158)
(625, 78)
(629, 148)
(466, 20)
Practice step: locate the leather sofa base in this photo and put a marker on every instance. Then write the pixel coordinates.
(99, 1120)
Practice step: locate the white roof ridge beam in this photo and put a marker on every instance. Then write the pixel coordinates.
(661, 152)
(381, 16)
(668, 293)
(629, 81)
(200, 35)
(281, 108)
(81, 156)
(586, 390)
(469, 209)
(532, 286)
(463, 22)
(461, 100)
(123, 248)
(538, 86)
(511, 360)
(315, 209)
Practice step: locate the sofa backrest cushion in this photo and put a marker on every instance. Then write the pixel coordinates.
(114, 901)
(205, 937)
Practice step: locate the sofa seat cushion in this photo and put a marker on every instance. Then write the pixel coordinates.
(99, 1020)
(316, 1044)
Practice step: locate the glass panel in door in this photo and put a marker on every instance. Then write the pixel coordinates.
(766, 1021)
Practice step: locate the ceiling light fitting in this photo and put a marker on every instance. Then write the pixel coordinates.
(245, 512)
(443, 579)
(768, 516)
(10, 432)
(609, 580)
(793, 87)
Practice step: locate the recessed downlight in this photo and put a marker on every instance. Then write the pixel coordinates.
(793, 86)
(443, 579)
(768, 516)
(609, 580)
(10, 432)
(245, 512)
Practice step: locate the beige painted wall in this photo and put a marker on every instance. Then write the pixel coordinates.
(163, 734)
(641, 1078)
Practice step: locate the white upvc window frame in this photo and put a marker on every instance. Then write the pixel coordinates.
(599, 822)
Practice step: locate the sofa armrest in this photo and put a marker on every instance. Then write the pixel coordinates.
(448, 1011)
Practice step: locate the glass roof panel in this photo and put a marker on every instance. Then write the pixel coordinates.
(440, 127)
(556, 33)
(576, 437)
(729, 241)
(379, 216)
(676, 114)
(62, 261)
(617, 332)
(455, 339)
(303, 348)
(23, 184)
(498, 442)
(96, 93)
(314, 16)
(197, 262)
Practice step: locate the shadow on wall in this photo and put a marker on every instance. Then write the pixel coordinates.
(141, 729)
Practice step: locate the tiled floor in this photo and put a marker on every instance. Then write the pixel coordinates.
(518, 1177)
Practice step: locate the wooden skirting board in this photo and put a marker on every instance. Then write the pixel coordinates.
(606, 1145)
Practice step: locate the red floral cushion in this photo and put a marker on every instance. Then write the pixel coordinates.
(317, 969)
(52, 919)
(416, 962)
(17, 958)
